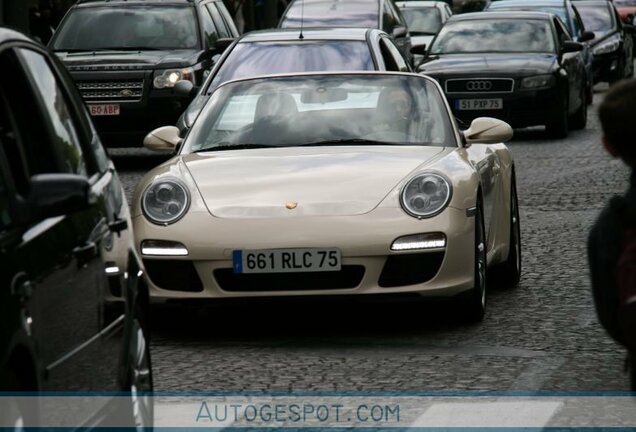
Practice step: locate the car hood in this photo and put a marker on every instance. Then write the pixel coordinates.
(478, 64)
(146, 59)
(322, 181)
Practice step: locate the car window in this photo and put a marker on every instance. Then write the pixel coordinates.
(348, 13)
(423, 21)
(262, 58)
(392, 56)
(578, 22)
(218, 20)
(128, 26)
(389, 20)
(323, 110)
(228, 19)
(562, 32)
(209, 28)
(395, 12)
(597, 18)
(59, 120)
(26, 148)
(495, 35)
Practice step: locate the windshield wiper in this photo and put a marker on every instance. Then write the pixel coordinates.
(422, 33)
(235, 147)
(352, 141)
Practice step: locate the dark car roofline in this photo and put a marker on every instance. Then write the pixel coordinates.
(487, 14)
(314, 33)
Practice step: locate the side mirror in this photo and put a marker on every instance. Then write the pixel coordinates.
(184, 88)
(53, 195)
(221, 44)
(399, 32)
(418, 49)
(571, 46)
(487, 130)
(587, 36)
(163, 139)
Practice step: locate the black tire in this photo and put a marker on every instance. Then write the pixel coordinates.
(508, 273)
(579, 119)
(473, 306)
(139, 383)
(559, 128)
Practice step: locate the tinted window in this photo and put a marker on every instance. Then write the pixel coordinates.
(423, 21)
(333, 13)
(598, 19)
(218, 21)
(297, 111)
(261, 58)
(511, 35)
(561, 12)
(121, 27)
(64, 137)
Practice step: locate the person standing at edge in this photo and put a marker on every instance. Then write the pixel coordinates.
(612, 240)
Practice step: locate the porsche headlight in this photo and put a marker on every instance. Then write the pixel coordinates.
(426, 195)
(538, 82)
(165, 201)
(168, 78)
(608, 46)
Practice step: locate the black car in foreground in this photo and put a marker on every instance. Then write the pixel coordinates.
(613, 46)
(379, 14)
(72, 299)
(126, 57)
(520, 67)
(283, 51)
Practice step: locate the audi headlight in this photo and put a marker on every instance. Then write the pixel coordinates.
(538, 82)
(168, 78)
(610, 45)
(165, 201)
(426, 195)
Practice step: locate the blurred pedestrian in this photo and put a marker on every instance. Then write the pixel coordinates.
(612, 241)
(42, 25)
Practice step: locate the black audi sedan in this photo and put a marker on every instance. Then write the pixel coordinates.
(127, 55)
(613, 46)
(284, 51)
(379, 14)
(73, 300)
(521, 67)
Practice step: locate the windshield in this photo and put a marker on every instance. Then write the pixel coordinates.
(323, 110)
(128, 27)
(263, 58)
(596, 18)
(332, 13)
(558, 11)
(494, 36)
(423, 20)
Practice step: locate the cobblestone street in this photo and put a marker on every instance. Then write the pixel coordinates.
(542, 335)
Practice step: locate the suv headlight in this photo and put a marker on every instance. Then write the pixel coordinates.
(168, 78)
(165, 201)
(426, 195)
(608, 46)
(538, 82)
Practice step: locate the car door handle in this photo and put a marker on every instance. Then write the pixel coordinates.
(85, 253)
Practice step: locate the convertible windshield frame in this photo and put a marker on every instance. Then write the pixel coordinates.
(324, 109)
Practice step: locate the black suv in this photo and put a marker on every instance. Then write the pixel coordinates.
(126, 57)
(72, 298)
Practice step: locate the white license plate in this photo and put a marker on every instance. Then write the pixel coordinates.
(479, 104)
(286, 260)
(104, 110)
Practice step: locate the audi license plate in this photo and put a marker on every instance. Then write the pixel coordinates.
(104, 109)
(286, 260)
(479, 104)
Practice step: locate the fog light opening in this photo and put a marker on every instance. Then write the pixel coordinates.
(163, 248)
(419, 241)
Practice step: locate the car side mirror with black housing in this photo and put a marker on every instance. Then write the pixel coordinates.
(399, 32)
(184, 88)
(221, 45)
(571, 46)
(52, 195)
(587, 36)
(419, 50)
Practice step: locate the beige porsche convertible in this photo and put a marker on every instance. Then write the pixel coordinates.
(327, 184)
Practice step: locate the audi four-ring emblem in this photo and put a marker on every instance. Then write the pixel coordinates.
(478, 85)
